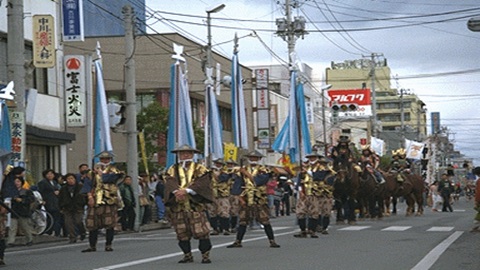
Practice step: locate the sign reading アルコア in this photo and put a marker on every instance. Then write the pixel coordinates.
(75, 96)
(357, 102)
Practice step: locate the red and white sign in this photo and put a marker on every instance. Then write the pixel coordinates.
(360, 97)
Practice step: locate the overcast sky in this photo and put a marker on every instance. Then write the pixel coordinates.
(426, 42)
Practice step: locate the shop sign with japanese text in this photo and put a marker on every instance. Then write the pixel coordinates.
(75, 94)
(43, 41)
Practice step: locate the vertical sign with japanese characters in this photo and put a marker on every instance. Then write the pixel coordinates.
(17, 126)
(75, 96)
(263, 109)
(43, 41)
(72, 20)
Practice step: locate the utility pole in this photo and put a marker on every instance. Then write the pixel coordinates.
(374, 96)
(131, 121)
(290, 31)
(16, 52)
(324, 118)
(209, 85)
(373, 56)
(402, 118)
(16, 66)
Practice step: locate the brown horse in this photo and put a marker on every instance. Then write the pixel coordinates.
(370, 196)
(412, 190)
(345, 188)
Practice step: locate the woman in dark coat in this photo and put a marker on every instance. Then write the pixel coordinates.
(49, 189)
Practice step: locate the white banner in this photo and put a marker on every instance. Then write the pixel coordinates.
(377, 145)
(414, 149)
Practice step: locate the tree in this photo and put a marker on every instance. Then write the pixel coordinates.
(153, 121)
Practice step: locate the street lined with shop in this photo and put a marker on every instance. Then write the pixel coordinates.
(426, 242)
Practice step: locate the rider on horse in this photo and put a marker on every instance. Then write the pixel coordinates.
(399, 165)
(371, 160)
(342, 152)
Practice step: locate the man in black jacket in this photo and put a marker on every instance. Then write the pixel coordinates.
(127, 218)
(72, 203)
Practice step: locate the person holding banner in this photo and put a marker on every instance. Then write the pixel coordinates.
(103, 201)
(187, 190)
(253, 200)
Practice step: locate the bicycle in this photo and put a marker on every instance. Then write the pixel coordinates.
(42, 221)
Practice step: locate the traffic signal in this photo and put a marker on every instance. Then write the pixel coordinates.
(115, 114)
(344, 107)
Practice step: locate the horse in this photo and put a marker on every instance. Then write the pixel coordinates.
(345, 188)
(370, 196)
(412, 190)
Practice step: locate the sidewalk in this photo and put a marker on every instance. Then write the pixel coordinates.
(39, 239)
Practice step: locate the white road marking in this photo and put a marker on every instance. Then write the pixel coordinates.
(436, 252)
(440, 229)
(354, 228)
(397, 228)
(166, 256)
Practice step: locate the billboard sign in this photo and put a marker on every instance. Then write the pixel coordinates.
(75, 94)
(44, 54)
(72, 20)
(359, 97)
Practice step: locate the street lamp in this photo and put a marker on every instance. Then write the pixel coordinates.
(324, 120)
(209, 81)
(209, 34)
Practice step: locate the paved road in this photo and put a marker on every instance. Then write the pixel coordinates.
(432, 241)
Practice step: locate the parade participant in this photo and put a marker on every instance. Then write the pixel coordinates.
(221, 206)
(342, 149)
(187, 190)
(212, 207)
(342, 152)
(236, 183)
(103, 201)
(253, 200)
(370, 157)
(326, 194)
(476, 206)
(311, 187)
(3, 232)
(398, 165)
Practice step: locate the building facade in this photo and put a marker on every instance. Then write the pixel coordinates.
(399, 114)
(153, 59)
(46, 137)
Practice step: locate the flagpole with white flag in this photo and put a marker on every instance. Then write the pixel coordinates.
(180, 123)
(5, 129)
(102, 139)
(294, 138)
(239, 120)
(215, 150)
